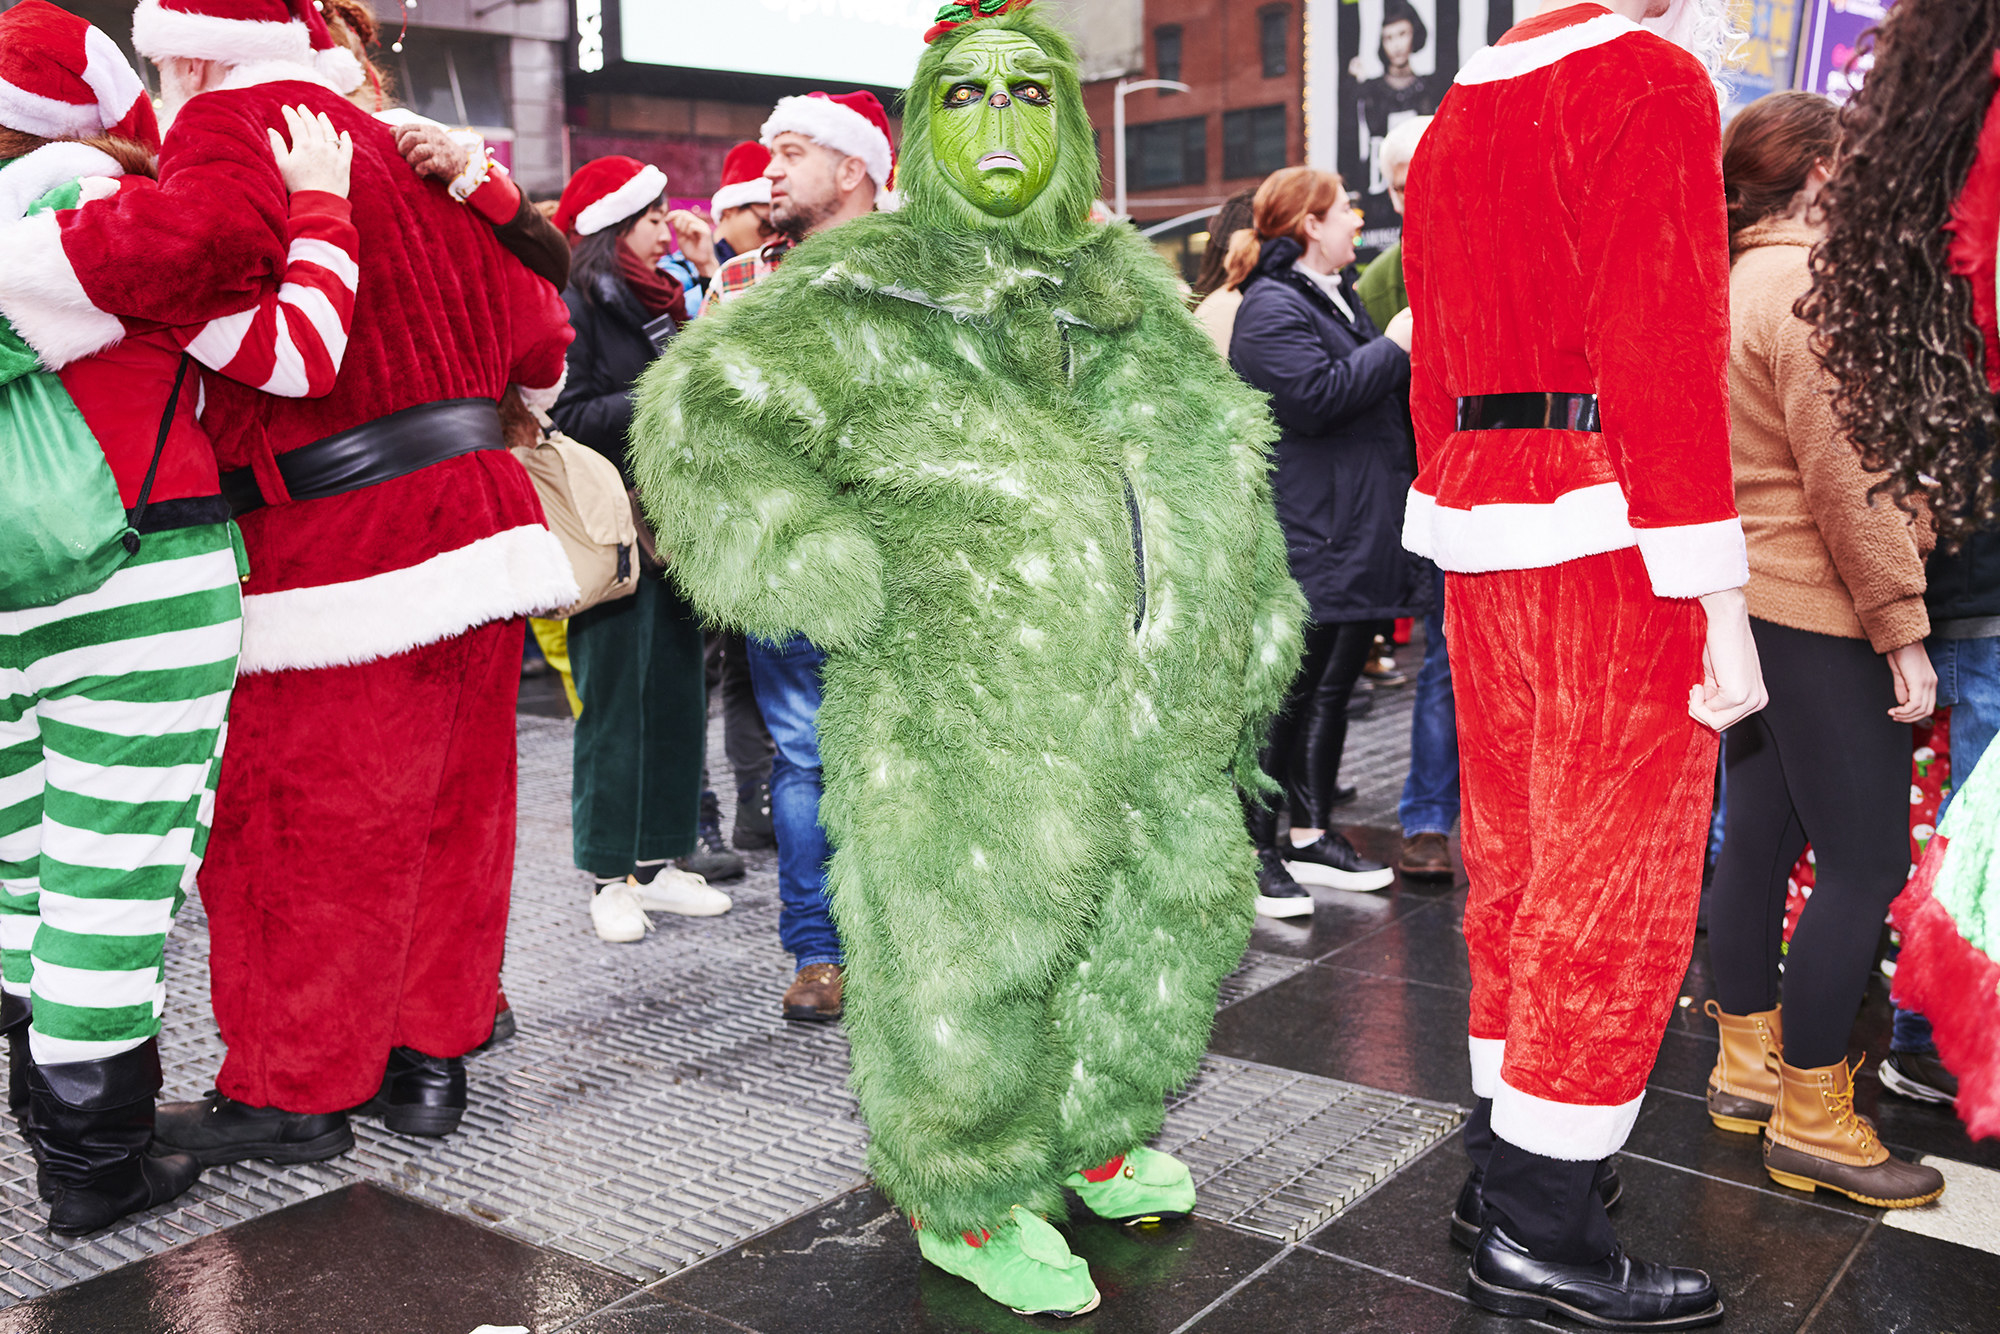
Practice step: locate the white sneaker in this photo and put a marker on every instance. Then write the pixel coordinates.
(615, 912)
(677, 891)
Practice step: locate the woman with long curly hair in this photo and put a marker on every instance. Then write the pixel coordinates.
(1904, 299)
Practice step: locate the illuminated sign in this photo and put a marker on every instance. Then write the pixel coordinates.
(844, 42)
(589, 35)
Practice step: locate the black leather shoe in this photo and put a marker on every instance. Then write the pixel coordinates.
(1278, 895)
(421, 1095)
(94, 1120)
(1466, 1219)
(15, 1013)
(1616, 1292)
(1333, 862)
(219, 1130)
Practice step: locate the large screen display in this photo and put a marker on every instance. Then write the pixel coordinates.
(844, 42)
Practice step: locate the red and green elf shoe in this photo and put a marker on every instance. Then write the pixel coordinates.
(1140, 1186)
(1024, 1264)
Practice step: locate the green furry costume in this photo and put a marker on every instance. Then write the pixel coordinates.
(982, 455)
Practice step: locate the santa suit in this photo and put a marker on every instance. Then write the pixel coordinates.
(356, 882)
(1566, 235)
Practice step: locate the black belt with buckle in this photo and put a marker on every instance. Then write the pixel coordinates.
(1528, 412)
(373, 452)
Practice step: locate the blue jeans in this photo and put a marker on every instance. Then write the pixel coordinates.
(1968, 672)
(786, 679)
(1430, 792)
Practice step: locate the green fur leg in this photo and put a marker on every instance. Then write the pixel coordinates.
(1148, 1187)
(1024, 1264)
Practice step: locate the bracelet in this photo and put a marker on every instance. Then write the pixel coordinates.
(480, 166)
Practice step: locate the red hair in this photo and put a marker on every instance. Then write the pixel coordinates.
(1283, 203)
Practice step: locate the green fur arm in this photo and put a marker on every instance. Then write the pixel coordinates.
(757, 536)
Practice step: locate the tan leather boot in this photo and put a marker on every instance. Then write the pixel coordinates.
(1744, 1085)
(1815, 1140)
(814, 995)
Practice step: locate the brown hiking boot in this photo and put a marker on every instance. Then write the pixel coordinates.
(1744, 1083)
(815, 993)
(1815, 1140)
(1425, 854)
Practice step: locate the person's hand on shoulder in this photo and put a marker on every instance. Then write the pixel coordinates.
(431, 150)
(319, 157)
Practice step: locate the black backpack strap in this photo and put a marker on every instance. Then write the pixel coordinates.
(159, 447)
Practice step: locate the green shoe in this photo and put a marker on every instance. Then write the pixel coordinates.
(1025, 1265)
(1146, 1187)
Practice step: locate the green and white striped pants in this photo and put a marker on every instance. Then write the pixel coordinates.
(113, 708)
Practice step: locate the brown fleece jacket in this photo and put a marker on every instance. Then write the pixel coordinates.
(1822, 556)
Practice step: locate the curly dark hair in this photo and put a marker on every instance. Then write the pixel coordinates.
(1894, 324)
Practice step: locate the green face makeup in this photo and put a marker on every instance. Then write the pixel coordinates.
(993, 126)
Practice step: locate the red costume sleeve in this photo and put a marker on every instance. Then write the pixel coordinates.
(1654, 241)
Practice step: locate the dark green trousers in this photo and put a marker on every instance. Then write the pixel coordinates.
(637, 788)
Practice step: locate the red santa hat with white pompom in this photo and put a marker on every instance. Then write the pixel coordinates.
(850, 123)
(605, 191)
(61, 78)
(743, 179)
(245, 32)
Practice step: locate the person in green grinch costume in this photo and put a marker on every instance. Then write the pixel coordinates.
(978, 451)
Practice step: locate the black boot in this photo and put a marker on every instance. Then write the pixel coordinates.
(15, 1014)
(1468, 1216)
(95, 1121)
(219, 1129)
(1547, 1246)
(421, 1095)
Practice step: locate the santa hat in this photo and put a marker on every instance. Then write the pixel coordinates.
(958, 12)
(607, 190)
(850, 123)
(61, 78)
(743, 179)
(245, 32)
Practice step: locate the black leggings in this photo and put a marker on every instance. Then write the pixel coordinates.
(1823, 763)
(1308, 736)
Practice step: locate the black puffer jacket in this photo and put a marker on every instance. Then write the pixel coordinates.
(1338, 391)
(610, 351)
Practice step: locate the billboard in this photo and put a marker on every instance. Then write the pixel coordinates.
(844, 42)
(1829, 61)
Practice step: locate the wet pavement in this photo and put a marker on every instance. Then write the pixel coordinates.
(659, 1152)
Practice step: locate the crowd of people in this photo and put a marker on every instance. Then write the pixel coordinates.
(888, 426)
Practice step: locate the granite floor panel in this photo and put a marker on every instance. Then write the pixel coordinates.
(1311, 1293)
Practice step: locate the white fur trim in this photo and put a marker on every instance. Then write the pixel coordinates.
(1487, 1054)
(541, 400)
(1695, 559)
(649, 184)
(27, 179)
(1492, 64)
(46, 117)
(517, 572)
(1573, 1132)
(339, 67)
(756, 191)
(252, 73)
(831, 125)
(42, 298)
(159, 33)
(107, 75)
(1584, 522)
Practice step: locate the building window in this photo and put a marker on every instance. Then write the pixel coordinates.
(452, 77)
(1167, 54)
(1167, 152)
(1253, 141)
(1274, 38)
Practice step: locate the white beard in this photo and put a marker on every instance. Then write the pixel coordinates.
(1703, 29)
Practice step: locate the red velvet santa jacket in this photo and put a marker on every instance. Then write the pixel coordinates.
(440, 313)
(1975, 237)
(1566, 232)
(122, 391)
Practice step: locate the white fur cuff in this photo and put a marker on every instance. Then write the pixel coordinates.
(1573, 1132)
(42, 298)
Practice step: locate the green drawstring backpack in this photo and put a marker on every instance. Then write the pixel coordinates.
(63, 527)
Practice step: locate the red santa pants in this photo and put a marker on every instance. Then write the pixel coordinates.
(1587, 790)
(357, 879)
